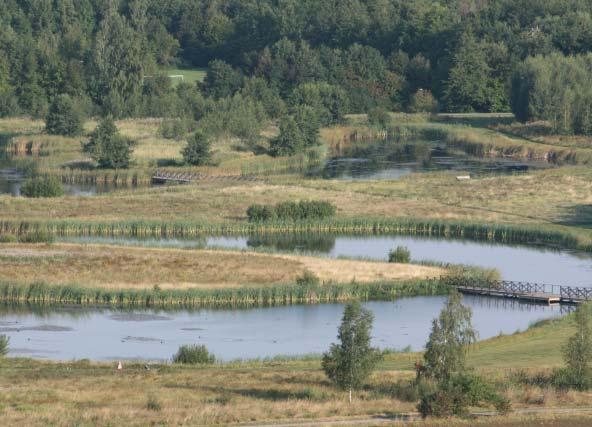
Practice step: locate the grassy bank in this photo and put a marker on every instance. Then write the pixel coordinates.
(564, 237)
(83, 393)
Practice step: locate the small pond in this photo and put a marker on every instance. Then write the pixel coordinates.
(392, 160)
(102, 334)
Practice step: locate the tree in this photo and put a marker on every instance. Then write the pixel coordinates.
(63, 117)
(222, 80)
(290, 139)
(577, 353)
(308, 122)
(198, 150)
(451, 334)
(107, 147)
(349, 363)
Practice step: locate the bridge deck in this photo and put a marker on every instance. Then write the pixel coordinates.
(538, 297)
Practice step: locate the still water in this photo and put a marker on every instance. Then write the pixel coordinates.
(389, 160)
(76, 333)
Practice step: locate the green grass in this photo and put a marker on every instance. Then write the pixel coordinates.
(190, 75)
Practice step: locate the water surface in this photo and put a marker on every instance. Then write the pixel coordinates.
(68, 333)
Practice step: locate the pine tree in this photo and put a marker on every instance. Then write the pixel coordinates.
(107, 147)
(290, 140)
(349, 363)
(63, 118)
(198, 150)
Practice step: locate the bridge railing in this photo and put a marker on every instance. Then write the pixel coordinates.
(517, 288)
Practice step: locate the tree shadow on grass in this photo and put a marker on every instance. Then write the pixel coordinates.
(578, 216)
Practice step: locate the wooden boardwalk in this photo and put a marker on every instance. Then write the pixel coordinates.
(530, 292)
(187, 177)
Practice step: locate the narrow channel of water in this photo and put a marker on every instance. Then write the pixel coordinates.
(77, 333)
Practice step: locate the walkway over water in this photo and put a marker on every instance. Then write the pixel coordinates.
(531, 292)
(186, 177)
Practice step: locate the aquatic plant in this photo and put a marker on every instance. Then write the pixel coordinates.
(400, 255)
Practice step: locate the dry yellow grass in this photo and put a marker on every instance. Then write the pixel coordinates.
(132, 267)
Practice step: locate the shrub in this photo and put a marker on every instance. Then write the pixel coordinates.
(198, 150)
(176, 128)
(42, 186)
(455, 395)
(194, 355)
(63, 117)
(294, 211)
(4, 340)
(423, 101)
(153, 404)
(400, 255)
(308, 280)
(379, 117)
(258, 213)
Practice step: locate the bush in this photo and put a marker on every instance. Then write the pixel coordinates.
(308, 280)
(153, 404)
(259, 213)
(37, 236)
(4, 340)
(565, 379)
(400, 255)
(379, 117)
(42, 186)
(176, 128)
(423, 101)
(456, 395)
(63, 117)
(198, 150)
(294, 211)
(194, 355)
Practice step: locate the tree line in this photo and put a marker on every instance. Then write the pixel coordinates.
(269, 59)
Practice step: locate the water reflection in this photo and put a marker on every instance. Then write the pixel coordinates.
(391, 160)
(255, 333)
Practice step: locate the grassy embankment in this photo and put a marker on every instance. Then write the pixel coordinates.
(82, 393)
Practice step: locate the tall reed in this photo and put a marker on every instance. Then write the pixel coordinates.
(46, 294)
(508, 234)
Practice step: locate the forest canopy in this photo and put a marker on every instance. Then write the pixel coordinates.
(337, 56)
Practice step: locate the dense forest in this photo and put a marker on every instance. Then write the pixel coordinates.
(311, 60)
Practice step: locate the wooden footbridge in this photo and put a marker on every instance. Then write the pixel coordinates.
(187, 177)
(530, 292)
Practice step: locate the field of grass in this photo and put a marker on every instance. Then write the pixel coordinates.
(190, 75)
(83, 393)
(112, 267)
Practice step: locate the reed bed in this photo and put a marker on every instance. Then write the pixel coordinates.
(507, 234)
(103, 177)
(43, 294)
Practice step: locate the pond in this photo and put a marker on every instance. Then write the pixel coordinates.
(517, 263)
(101, 334)
(391, 160)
